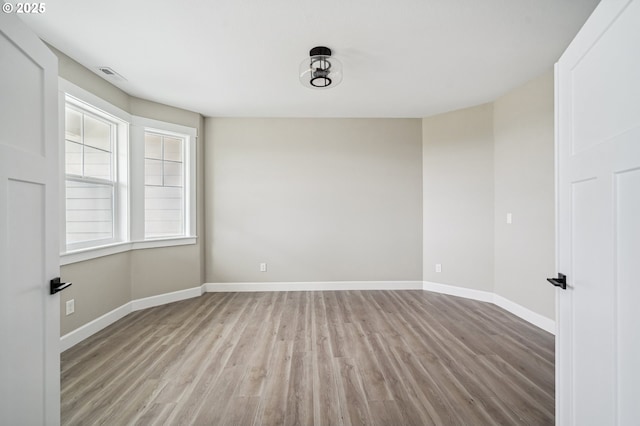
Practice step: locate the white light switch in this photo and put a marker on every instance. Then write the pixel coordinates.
(438, 267)
(71, 306)
(509, 218)
(263, 267)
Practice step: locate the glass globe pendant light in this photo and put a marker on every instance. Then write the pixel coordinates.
(320, 70)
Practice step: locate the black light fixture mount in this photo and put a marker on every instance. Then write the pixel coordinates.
(320, 71)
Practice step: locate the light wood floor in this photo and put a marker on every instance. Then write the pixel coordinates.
(350, 357)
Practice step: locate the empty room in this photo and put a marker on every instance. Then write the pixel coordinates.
(268, 213)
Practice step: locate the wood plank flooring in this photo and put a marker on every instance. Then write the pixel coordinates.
(323, 358)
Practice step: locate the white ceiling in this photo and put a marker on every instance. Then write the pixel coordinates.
(401, 58)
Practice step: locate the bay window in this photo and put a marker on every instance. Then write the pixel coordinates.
(129, 182)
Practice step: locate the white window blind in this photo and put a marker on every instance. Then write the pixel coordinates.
(164, 178)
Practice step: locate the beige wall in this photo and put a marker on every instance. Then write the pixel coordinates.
(148, 109)
(80, 76)
(103, 284)
(478, 165)
(316, 199)
(524, 187)
(457, 170)
(99, 286)
(163, 270)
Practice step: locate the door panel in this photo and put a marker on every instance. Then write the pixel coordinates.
(26, 206)
(594, 103)
(592, 336)
(22, 83)
(627, 272)
(29, 251)
(598, 146)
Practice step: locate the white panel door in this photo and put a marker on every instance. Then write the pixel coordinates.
(29, 315)
(598, 142)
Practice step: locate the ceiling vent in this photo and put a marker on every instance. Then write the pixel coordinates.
(111, 74)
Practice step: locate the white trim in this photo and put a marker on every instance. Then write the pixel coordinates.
(520, 311)
(163, 242)
(92, 253)
(538, 320)
(164, 127)
(92, 101)
(88, 103)
(79, 334)
(562, 376)
(190, 134)
(467, 293)
(191, 178)
(129, 205)
(117, 120)
(163, 299)
(95, 252)
(313, 286)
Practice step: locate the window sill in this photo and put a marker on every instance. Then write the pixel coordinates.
(96, 252)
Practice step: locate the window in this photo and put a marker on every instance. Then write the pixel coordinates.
(129, 181)
(166, 211)
(90, 177)
(164, 183)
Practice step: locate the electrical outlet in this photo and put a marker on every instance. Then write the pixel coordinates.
(438, 267)
(263, 267)
(71, 306)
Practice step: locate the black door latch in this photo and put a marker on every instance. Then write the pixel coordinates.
(561, 281)
(55, 285)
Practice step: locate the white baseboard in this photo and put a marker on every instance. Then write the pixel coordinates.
(79, 334)
(534, 318)
(467, 293)
(313, 286)
(163, 299)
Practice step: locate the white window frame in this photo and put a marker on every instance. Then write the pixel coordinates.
(129, 197)
(140, 125)
(86, 101)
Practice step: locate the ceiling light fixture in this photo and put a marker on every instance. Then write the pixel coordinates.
(320, 71)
